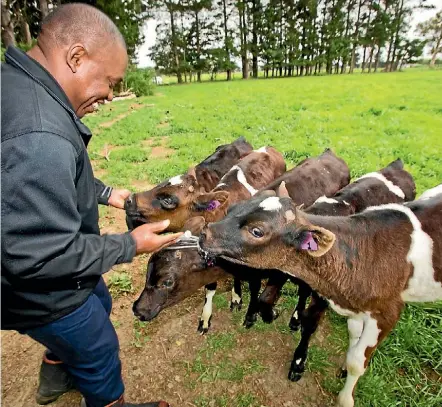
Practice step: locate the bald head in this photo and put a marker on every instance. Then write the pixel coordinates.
(84, 51)
(79, 23)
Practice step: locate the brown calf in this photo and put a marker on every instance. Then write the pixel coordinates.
(160, 202)
(366, 265)
(391, 184)
(313, 177)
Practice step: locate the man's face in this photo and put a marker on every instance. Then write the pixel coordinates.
(94, 75)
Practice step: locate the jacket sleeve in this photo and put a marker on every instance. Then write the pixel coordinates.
(40, 231)
(103, 192)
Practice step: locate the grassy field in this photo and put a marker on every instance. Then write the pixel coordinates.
(369, 120)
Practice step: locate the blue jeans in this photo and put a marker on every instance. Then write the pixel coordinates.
(86, 342)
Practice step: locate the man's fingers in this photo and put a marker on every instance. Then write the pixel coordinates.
(168, 239)
(157, 226)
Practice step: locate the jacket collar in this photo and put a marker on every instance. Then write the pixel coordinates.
(39, 74)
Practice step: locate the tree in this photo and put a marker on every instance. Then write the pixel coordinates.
(8, 37)
(432, 31)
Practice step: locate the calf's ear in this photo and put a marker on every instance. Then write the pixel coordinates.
(314, 240)
(282, 190)
(211, 202)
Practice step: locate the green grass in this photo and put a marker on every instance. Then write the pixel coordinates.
(369, 120)
(119, 284)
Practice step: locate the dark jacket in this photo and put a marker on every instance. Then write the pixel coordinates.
(52, 251)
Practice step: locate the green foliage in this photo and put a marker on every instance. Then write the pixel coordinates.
(139, 80)
(120, 284)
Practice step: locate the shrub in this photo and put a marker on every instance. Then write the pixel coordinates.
(139, 80)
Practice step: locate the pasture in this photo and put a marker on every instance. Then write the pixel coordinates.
(368, 120)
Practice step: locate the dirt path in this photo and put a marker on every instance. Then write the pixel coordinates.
(168, 359)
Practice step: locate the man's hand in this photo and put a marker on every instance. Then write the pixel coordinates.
(148, 241)
(117, 198)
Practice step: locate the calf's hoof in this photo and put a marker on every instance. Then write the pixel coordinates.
(342, 373)
(201, 328)
(268, 315)
(236, 306)
(295, 375)
(294, 324)
(250, 320)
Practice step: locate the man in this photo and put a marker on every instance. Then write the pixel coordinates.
(53, 256)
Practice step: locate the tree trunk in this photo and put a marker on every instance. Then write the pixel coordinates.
(174, 47)
(436, 49)
(377, 59)
(226, 41)
(393, 65)
(356, 38)
(371, 58)
(44, 8)
(198, 47)
(255, 19)
(243, 34)
(8, 37)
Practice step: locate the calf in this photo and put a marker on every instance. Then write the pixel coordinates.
(313, 177)
(160, 202)
(366, 265)
(241, 182)
(391, 184)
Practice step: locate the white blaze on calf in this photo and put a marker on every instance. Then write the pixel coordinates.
(177, 180)
(431, 193)
(323, 198)
(241, 179)
(271, 204)
(391, 187)
(422, 285)
(261, 150)
(207, 309)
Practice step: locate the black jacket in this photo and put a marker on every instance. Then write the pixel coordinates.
(52, 251)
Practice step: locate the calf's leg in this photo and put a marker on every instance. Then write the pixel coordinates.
(206, 315)
(236, 303)
(304, 291)
(358, 355)
(270, 295)
(310, 319)
(252, 311)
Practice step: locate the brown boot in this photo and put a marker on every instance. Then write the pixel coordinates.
(121, 403)
(54, 380)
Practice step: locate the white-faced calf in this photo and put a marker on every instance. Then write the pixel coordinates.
(367, 265)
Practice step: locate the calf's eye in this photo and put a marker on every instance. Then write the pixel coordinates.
(168, 283)
(257, 232)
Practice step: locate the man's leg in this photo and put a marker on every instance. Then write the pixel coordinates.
(86, 342)
(54, 379)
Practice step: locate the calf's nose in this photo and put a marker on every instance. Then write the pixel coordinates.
(130, 203)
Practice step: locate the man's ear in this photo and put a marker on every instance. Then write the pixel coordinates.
(316, 241)
(195, 225)
(75, 56)
(211, 201)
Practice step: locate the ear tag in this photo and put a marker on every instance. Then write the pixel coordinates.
(309, 243)
(213, 205)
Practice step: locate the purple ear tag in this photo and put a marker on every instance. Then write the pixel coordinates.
(309, 243)
(213, 205)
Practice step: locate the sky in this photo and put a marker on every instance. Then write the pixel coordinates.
(150, 34)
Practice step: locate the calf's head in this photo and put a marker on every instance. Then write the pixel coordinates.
(176, 199)
(173, 274)
(266, 232)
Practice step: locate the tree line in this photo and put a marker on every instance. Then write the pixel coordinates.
(277, 37)
(288, 37)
